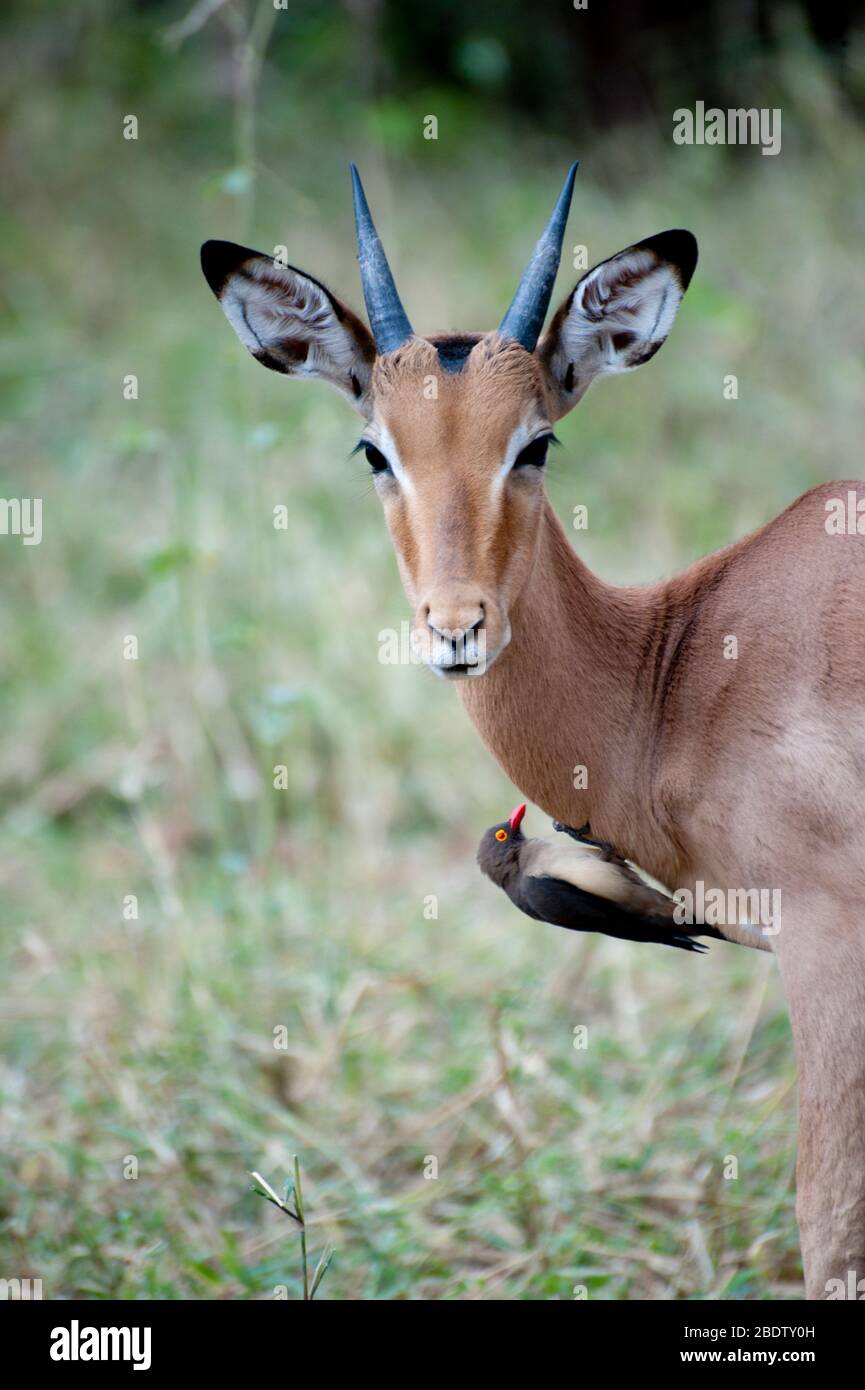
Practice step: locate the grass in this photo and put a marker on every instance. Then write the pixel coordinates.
(291, 1203)
(283, 988)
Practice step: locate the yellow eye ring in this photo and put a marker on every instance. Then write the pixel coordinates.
(501, 834)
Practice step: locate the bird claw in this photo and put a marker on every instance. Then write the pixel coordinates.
(569, 829)
(583, 838)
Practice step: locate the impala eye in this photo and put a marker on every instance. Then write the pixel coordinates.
(534, 455)
(375, 458)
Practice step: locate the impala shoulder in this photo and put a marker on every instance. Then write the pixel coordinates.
(833, 508)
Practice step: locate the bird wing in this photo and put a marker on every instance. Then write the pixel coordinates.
(586, 867)
(557, 900)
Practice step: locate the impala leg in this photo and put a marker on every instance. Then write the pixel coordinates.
(822, 955)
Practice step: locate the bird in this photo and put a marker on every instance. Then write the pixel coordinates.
(580, 884)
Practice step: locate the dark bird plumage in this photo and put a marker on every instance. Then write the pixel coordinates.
(583, 886)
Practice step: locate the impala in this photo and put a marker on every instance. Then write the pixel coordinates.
(702, 769)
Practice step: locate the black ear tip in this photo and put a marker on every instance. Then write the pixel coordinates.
(219, 259)
(679, 248)
(685, 254)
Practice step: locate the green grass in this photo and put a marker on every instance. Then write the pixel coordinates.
(304, 908)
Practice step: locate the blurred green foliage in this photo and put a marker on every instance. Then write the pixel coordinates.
(260, 908)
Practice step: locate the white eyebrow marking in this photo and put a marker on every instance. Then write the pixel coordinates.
(384, 442)
(522, 435)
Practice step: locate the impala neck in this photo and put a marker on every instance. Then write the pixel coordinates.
(572, 691)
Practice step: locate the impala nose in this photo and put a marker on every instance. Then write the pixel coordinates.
(452, 636)
(453, 627)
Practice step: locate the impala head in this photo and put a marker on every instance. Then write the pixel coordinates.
(457, 427)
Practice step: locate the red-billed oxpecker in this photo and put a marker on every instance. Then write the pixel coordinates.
(579, 884)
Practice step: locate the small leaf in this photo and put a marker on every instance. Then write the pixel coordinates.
(298, 1190)
(268, 1190)
(321, 1270)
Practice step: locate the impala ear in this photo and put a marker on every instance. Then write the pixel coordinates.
(290, 322)
(618, 315)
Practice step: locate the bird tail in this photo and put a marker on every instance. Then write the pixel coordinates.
(682, 934)
(685, 943)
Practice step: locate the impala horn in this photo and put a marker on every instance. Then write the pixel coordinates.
(525, 317)
(387, 318)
